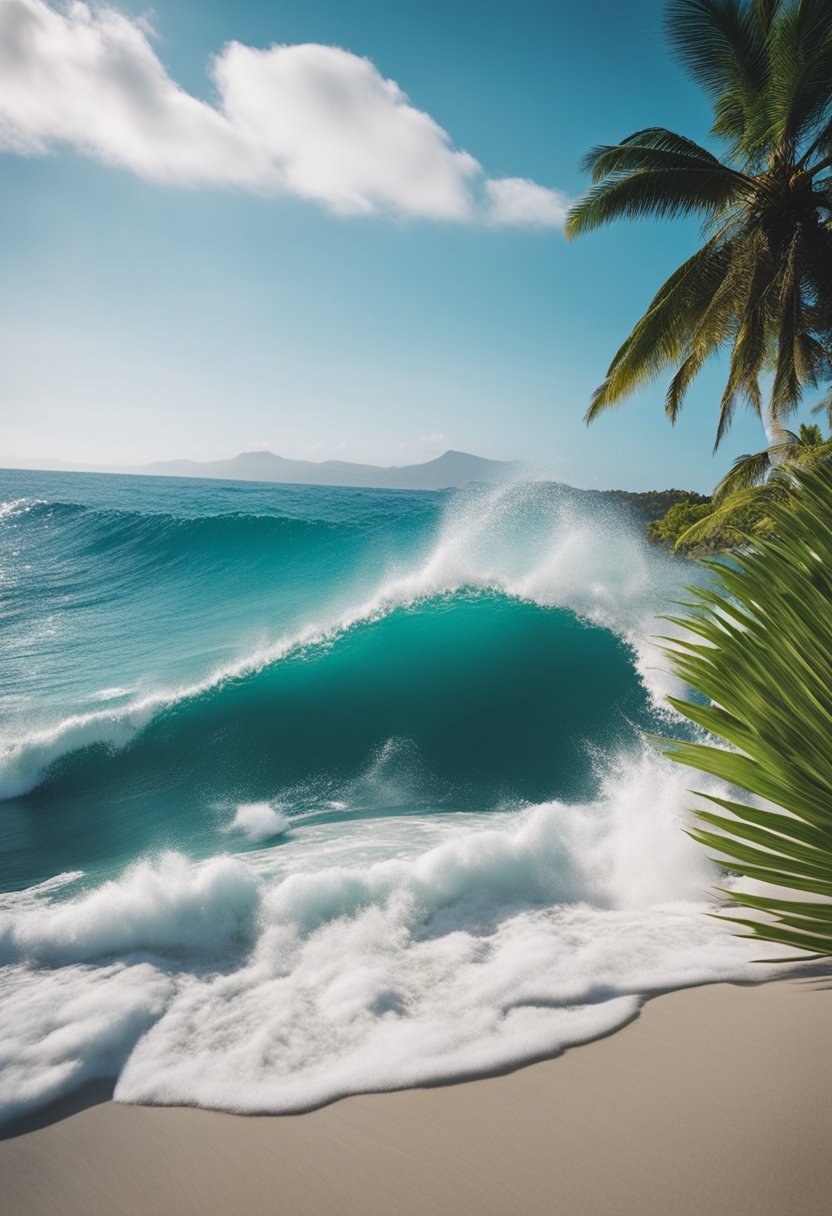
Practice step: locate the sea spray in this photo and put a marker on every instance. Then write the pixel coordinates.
(258, 821)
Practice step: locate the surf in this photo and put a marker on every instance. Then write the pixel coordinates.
(330, 790)
(367, 959)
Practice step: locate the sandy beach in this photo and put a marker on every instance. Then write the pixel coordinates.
(715, 1100)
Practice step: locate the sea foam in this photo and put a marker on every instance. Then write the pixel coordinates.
(259, 821)
(280, 980)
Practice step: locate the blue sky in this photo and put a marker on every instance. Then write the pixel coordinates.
(153, 312)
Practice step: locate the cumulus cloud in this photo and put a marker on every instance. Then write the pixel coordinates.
(517, 200)
(310, 121)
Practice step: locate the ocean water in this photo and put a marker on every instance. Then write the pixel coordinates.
(312, 791)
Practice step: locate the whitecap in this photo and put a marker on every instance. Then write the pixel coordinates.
(259, 821)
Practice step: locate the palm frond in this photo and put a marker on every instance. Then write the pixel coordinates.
(722, 44)
(810, 435)
(661, 336)
(760, 652)
(817, 263)
(746, 471)
(682, 379)
(824, 406)
(766, 11)
(763, 285)
(801, 75)
(653, 148)
(728, 521)
(664, 193)
(787, 389)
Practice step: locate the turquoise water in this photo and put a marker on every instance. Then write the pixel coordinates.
(239, 722)
(118, 588)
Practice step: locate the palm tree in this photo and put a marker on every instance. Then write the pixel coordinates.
(805, 449)
(744, 502)
(760, 286)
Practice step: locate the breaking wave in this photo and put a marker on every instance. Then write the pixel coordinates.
(517, 543)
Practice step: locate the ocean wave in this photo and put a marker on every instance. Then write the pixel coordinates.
(399, 721)
(91, 530)
(468, 702)
(522, 542)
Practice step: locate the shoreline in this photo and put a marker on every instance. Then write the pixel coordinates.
(715, 1099)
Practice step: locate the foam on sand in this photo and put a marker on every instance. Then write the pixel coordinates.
(281, 980)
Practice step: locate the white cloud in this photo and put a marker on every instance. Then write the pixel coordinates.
(315, 122)
(517, 200)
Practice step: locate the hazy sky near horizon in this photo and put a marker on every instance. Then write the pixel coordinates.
(332, 228)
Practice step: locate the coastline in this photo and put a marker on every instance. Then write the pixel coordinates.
(715, 1099)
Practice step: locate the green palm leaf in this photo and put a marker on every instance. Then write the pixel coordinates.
(684, 322)
(824, 406)
(759, 649)
(653, 148)
(664, 191)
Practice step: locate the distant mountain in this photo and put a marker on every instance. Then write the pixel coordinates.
(450, 469)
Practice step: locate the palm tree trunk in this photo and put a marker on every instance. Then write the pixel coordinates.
(776, 433)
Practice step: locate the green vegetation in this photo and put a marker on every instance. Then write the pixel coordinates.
(805, 449)
(761, 284)
(651, 505)
(741, 507)
(644, 506)
(761, 653)
(743, 501)
(681, 517)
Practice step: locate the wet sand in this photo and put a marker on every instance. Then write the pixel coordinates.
(715, 1100)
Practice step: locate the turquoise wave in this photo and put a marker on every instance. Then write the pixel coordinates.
(472, 701)
(169, 657)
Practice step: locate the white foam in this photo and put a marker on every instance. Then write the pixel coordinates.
(526, 541)
(64, 1027)
(164, 906)
(275, 981)
(379, 953)
(259, 821)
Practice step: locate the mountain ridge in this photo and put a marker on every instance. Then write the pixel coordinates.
(452, 468)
